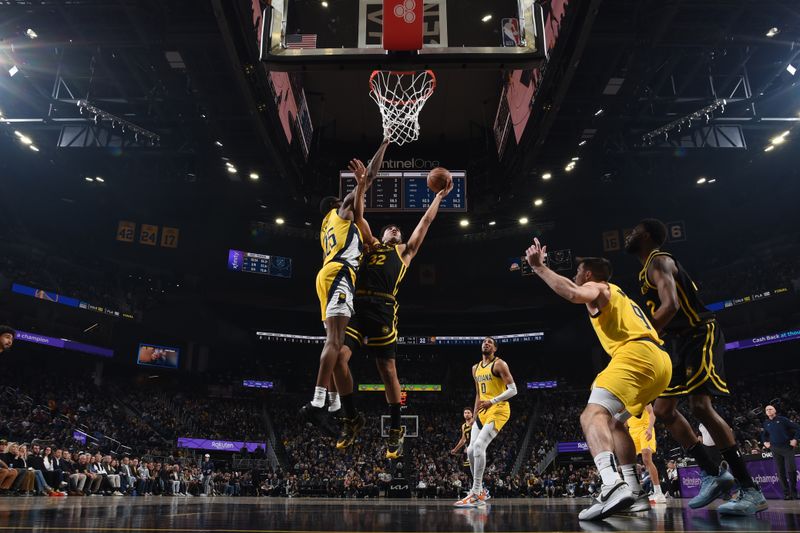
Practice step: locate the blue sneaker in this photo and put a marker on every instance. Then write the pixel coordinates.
(748, 502)
(711, 488)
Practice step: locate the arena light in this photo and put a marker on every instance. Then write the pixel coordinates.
(537, 202)
(279, 221)
(89, 178)
(582, 142)
(769, 148)
(701, 181)
(232, 169)
(254, 176)
(486, 18)
(523, 220)
(218, 143)
(780, 139)
(492, 223)
(599, 112)
(31, 34)
(463, 223)
(25, 140)
(33, 147)
(324, 4)
(713, 180)
(101, 180)
(13, 71)
(576, 159)
(772, 32)
(791, 69)
(546, 176)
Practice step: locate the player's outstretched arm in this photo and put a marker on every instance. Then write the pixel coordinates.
(661, 273)
(415, 242)
(376, 163)
(584, 294)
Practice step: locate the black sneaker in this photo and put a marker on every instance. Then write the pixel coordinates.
(351, 427)
(394, 446)
(319, 417)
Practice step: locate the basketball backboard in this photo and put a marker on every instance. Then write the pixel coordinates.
(335, 34)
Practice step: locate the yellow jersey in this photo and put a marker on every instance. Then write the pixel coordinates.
(639, 422)
(489, 384)
(622, 321)
(341, 240)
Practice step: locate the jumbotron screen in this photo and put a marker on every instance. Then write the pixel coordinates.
(162, 356)
(407, 191)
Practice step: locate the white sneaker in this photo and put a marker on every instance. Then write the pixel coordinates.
(117, 493)
(642, 503)
(658, 498)
(612, 498)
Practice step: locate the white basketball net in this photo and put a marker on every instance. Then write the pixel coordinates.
(400, 97)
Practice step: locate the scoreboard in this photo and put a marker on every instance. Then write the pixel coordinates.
(407, 191)
(268, 265)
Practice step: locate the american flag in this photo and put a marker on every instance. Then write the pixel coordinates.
(301, 40)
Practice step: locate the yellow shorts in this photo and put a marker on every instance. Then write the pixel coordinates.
(638, 373)
(335, 288)
(499, 413)
(638, 436)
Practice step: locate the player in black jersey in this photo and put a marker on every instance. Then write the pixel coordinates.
(697, 347)
(373, 327)
(463, 442)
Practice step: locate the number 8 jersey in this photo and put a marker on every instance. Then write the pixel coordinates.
(622, 321)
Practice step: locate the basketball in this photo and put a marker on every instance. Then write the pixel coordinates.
(439, 178)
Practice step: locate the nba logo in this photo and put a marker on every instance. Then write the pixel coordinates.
(511, 36)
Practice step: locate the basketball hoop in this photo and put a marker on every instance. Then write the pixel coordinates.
(400, 97)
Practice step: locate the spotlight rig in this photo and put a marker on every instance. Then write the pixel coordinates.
(140, 134)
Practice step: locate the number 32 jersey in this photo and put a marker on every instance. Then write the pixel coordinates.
(622, 321)
(381, 271)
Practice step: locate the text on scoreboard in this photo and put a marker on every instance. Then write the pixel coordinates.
(268, 265)
(407, 191)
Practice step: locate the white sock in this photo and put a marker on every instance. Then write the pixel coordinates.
(607, 467)
(333, 402)
(319, 397)
(631, 478)
(657, 490)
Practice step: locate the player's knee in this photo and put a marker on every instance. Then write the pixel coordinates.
(591, 414)
(701, 407)
(666, 412)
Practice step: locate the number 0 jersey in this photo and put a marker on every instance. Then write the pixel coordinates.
(341, 240)
(490, 385)
(621, 321)
(693, 311)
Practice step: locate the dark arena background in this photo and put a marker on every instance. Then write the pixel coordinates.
(162, 165)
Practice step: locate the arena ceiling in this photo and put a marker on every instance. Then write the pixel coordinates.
(186, 71)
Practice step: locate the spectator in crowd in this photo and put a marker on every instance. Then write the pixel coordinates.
(672, 485)
(208, 473)
(7, 336)
(780, 436)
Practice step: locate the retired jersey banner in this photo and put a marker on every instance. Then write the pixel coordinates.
(126, 231)
(169, 237)
(148, 234)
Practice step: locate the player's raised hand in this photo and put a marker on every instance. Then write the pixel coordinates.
(358, 168)
(536, 254)
(444, 192)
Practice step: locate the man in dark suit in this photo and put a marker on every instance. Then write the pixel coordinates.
(208, 473)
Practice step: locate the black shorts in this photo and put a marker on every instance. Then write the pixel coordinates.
(373, 327)
(698, 362)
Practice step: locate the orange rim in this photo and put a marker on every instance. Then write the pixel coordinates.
(389, 101)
